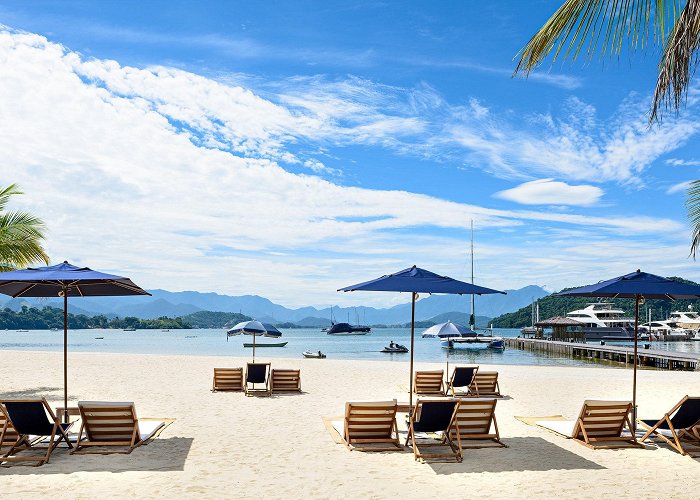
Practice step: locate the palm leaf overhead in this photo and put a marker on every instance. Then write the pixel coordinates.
(21, 235)
(693, 205)
(609, 26)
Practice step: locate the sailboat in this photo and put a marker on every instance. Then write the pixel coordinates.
(535, 316)
(496, 343)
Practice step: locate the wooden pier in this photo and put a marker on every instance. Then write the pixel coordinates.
(653, 358)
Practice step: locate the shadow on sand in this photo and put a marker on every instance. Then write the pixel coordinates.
(549, 457)
(35, 393)
(160, 455)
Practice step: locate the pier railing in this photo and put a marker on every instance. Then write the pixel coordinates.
(665, 360)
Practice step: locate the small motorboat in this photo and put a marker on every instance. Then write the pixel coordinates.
(397, 348)
(276, 344)
(99, 338)
(311, 354)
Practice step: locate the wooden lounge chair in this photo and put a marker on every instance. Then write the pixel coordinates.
(429, 383)
(369, 423)
(599, 422)
(435, 416)
(110, 424)
(475, 417)
(8, 434)
(257, 373)
(463, 380)
(31, 417)
(286, 380)
(486, 384)
(227, 379)
(680, 424)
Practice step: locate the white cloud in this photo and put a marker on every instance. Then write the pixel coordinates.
(678, 188)
(678, 162)
(551, 192)
(177, 180)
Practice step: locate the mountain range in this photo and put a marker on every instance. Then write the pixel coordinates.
(173, 304)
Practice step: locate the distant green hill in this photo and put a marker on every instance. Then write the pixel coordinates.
(214, 319)
(560, 306)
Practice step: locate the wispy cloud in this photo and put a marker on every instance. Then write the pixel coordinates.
(679, 162)
(678, 188)
(162, 170)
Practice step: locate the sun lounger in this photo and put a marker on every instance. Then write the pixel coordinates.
(486, 384)
(257, 373)
(31, 419)
(462, 381)
(286, 380)
(475, 418)
(429, 383)
(599, 422)
(369, 423)
(227, 379)
(8, 434)
(680, 424)
(435, 416)
(110, 424)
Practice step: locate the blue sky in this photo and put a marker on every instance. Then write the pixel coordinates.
(290, 148)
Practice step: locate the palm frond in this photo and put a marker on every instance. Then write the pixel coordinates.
(598, 26)
(21, 235)
(692, 203)
(678, 61)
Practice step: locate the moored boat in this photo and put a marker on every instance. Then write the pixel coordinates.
(257, 344)
(312, 354)
(348, 329)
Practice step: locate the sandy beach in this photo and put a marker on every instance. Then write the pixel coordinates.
(227, 445)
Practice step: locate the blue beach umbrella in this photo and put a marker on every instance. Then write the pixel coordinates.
(65, 280)
(416, 280)
(640, 287)
(448, 330)
(256, 329)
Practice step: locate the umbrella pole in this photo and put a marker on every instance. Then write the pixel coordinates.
(65, 356)
(254, 347)
(634, 365)
(413, 322)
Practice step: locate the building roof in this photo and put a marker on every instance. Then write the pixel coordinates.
(558, 321)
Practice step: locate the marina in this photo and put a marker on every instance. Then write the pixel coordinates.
(624, 355)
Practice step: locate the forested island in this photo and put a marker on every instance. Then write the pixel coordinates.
(30, 318)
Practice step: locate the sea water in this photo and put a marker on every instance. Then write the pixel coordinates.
(214, 342)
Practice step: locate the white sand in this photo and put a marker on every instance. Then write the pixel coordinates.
(227, 445)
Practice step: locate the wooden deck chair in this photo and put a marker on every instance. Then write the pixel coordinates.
(227, 379)
(112, 424)
(681, 423)
(486, 384)
(475, 418)
(368, 423)
(463, 381)
(435, 416)
(429, 383)
(257, 373)
(31, 417)
(8, 434)
(598, 422)
(286, 380)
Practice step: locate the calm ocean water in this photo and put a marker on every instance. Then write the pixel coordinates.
(213, 343)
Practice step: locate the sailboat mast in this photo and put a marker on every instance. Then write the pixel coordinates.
(472, 318)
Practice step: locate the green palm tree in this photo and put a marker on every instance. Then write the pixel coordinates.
(21, 235)
(608, 26)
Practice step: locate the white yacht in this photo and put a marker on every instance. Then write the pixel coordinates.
(601, 321)
(668, 330)
(689, 319)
